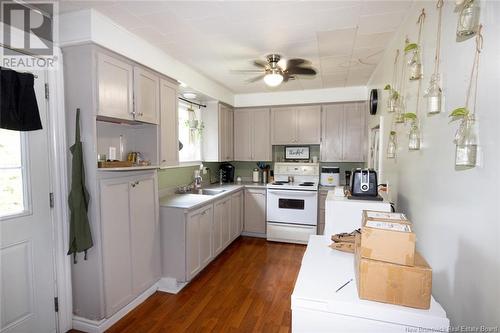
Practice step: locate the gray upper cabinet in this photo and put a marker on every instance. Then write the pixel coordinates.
(218, 133)
(169, 124)
(146, 95)
(296, 125)
(114, 87)
(343, 138)
(252, 142)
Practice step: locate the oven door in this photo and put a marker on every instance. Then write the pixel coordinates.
(295, 207)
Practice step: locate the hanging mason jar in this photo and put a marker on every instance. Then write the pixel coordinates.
(414, 137)
(392, 102)
(434, 95)
(399, 117)
(466, 144)
(415, 65)
(392, 145)
(468, 20)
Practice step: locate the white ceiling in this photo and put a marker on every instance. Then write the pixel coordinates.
(344, 40)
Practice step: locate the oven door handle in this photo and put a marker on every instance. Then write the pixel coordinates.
(293, 193)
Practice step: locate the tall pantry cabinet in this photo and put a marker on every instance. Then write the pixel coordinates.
(122, 105)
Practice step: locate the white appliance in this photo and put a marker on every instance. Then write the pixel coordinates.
(317, 307)
(344, 215)
(292, 202)
(330, 176)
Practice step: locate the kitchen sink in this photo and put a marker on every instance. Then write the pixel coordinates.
(209, 191)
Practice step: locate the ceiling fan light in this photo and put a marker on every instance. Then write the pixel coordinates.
(273, 79)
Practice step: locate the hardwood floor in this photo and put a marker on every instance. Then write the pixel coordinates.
(246, 289)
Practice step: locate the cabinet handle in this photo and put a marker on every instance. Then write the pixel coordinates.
(132, 184)
(140, 114)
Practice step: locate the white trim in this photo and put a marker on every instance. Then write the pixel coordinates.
(59, 186)
(94, 326)
(170, 285)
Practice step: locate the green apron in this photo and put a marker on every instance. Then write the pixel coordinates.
(80, 237)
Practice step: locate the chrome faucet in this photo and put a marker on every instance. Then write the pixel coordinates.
(221, 177)
(197, 179)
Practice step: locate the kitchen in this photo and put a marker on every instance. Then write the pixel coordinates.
(209, 170)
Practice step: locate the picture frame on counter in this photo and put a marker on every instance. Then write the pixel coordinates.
(297, 152)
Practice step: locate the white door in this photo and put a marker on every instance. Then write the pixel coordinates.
(255, 211)
(147, 99)
(309, 124)
(114, 86)
(27, 242)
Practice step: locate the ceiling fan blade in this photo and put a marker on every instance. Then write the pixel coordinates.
(301, 71)
(255, 79)
(261, 63)
(246, 71)
(296, 62)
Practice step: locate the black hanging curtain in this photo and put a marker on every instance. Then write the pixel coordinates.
(18, 106)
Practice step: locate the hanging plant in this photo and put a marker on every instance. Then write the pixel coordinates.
(434, 93)
(392, 145)
(393, 100)
(466, 137)
(415, 62)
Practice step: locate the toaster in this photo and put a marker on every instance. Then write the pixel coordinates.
(364, 183)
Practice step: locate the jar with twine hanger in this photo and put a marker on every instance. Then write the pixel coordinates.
(468, 20)
(434, 92)
(466, 137)
(415, 62)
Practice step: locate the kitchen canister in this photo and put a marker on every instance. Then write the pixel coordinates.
(255, 175)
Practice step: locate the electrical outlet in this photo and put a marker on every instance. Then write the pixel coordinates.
(205, 171)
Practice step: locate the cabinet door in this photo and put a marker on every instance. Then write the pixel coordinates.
(116, 249)
(147, 96)
(114, 87)
(226, 223)
(333, 129)
(193, 264)
(255, 211)
(309, 124)
(243, 127)
(217, 229)
(205, 227)
(354, 132)
(145, 231)
(236, 214)
(261, 141)
(229, 135)
(222, 133)
(169, 124)
(283, 126)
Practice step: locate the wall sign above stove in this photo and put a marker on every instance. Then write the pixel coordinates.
(297, 153)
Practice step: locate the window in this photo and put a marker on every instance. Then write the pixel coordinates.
(189, 137)
(12, 178)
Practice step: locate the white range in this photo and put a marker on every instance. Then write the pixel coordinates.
(292, 202)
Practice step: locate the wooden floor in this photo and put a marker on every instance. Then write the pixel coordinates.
(246, 289)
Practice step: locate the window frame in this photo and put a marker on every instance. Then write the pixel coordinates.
(26, 180)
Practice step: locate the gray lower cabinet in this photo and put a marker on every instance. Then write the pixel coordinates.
(130, 238)
(191, 239)
(255, 211)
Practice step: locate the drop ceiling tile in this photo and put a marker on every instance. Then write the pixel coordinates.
(196, 10)
(329, 80)
(380, 23)
(371, 7)
(314, 83)
(367, 55)
(336, 42)
(334, 64)
(373, 40)
(140, 8)
(356, 81)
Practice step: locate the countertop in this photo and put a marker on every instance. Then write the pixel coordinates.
(191, 201)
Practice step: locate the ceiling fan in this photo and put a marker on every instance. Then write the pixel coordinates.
(274, 73)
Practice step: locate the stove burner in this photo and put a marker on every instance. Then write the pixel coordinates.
(280, 182)
(307, 184)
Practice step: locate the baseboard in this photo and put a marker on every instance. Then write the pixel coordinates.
(94, 326)
(253, 234)
(170, 285)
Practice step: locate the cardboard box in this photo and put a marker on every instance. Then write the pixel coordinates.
(387, 237)
(391, 283)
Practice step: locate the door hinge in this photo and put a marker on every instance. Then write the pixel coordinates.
(46, 91)
(56, 304)
(51, 200)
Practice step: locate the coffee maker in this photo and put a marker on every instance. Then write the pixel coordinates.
(226, 171)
